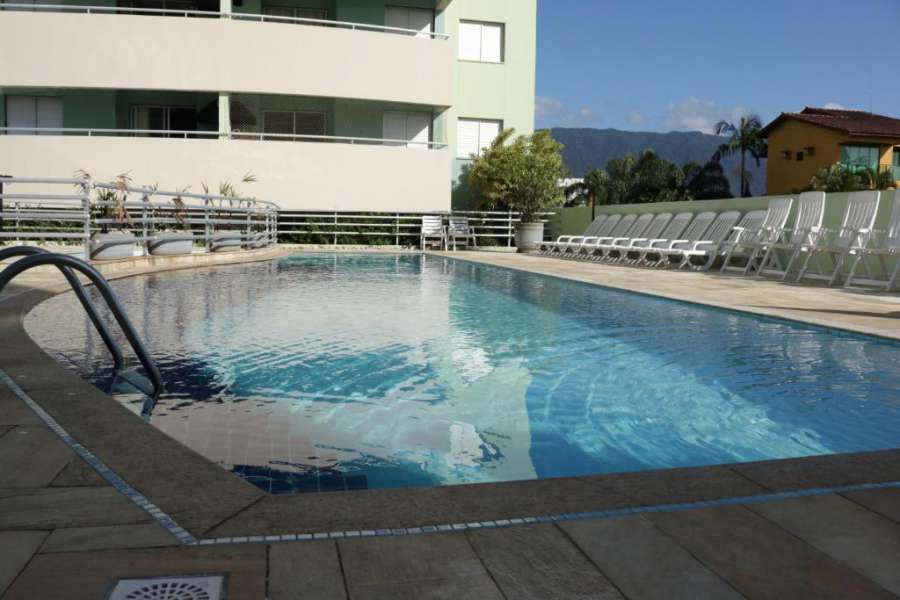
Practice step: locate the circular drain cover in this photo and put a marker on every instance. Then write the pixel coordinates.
(169, 588)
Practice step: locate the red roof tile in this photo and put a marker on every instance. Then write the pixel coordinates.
(851, 122)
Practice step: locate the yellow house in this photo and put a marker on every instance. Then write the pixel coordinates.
(800, 144)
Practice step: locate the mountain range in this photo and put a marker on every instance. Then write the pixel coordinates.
(585, 149)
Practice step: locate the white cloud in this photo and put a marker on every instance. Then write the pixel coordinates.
(834, 106)
(635, 118)
(553, 112)
(695, 114)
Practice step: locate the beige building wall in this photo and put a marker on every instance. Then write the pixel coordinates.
(221, 55)
(294, 175)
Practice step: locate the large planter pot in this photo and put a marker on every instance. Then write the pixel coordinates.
(114, 245)
(529, 236)
(171, 243)
(226, 241)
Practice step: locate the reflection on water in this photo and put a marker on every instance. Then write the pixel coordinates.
(336, 372)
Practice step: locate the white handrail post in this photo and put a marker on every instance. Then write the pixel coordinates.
(397, 229)
(249, 227)
(206, 225)
(144, 230)
(86, 208)
(509, 229)
(335, 228)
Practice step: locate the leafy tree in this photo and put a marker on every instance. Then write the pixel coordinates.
(710, 183)
(522, 175)
(743, 138)
(838, 178)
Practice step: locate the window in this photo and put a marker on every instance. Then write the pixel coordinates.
(482, 42)
(294, 122)
(800, 155)
(860, 157)
(407, 129)
(296, 12)
(163, 118)
(473, 136)
(897, 156)
(34, 111)
(420, 20)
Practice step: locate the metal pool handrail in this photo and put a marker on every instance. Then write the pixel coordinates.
(64, 261)
(76, 286)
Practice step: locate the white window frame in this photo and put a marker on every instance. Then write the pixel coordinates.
(294, 114)
(481, 54)
(481, 143)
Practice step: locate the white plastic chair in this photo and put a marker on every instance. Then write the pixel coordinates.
(859, 218)
(693, 233)
(432, 230)
(810, 213)
(620, 229)
(722, 245)
(881, 244)
(458, 228)
(564, 240)
(598, 249)
(674, 230)
(608, 226)
(748, 241)
(707, 245)
(618, 250)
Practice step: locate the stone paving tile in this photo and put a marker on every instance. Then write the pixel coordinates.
(424, 566)
(824, 471)
(884, 502)
(13, 411)
(305, 570)
(108, 537)
(50, 508)
(4, 429)
(761, 560)
(91, 575)
(78, 474)
(537, 562)
(852, 534)
(31, 456)
(645, 563)
(16, 549)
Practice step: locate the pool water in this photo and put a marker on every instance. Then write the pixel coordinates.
(333, 372)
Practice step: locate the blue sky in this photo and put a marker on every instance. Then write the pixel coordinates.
(654, 65)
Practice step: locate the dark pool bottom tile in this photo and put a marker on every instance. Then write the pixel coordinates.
(760, 559)
(66, 576)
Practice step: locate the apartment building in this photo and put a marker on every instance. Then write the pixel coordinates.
(338, 105)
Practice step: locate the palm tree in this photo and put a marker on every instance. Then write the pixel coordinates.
(744, 138)
(590, 189)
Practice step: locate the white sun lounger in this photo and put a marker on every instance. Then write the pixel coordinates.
(881, 244)
(708, 244)
(564, 240)
(859, 219)
(674, 230)
(621, 227)
(810, 213)
(432, 231)
(597, 251)
(748, 241)
(458, 228)
(693, 233)
(722, 236)
(618, 249)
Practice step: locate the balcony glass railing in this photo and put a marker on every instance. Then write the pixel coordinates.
(178, 12)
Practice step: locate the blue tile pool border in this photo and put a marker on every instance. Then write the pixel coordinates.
(184, 537)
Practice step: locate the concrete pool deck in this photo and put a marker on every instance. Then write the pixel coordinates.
(66, 533)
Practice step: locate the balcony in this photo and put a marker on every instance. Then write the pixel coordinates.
(126, 48)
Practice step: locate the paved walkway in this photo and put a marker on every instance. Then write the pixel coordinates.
(65, 533)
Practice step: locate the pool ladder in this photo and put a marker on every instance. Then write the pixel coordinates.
(36, 257)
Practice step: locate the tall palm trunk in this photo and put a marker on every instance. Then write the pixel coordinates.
(744, 190)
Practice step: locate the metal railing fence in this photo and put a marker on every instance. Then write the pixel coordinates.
(73, 210)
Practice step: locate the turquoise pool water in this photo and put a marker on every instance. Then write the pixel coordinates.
(332, 372)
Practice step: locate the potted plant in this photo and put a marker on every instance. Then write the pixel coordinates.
(521, 176)
(179, 240)
(112, 242)
(227, 239)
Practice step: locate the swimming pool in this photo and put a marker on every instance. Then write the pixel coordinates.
(334, 372)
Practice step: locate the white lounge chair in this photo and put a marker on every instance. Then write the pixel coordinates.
(587, 244)
(682, 252)
(564, 240)
(598, 249)
(608, 226)
(693, 233)
(881, 244)
(618, 250)
(673, 231)
(722, 236)
(810, 213)
(747, 241)
(458, 228)
(432, 230)
(859, 219)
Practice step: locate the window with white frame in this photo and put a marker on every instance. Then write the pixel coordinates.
(482, 42)
(419, 20)
(294, 122)
(163, 118)
(473, 136)
(409, 129)
(25, 112)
